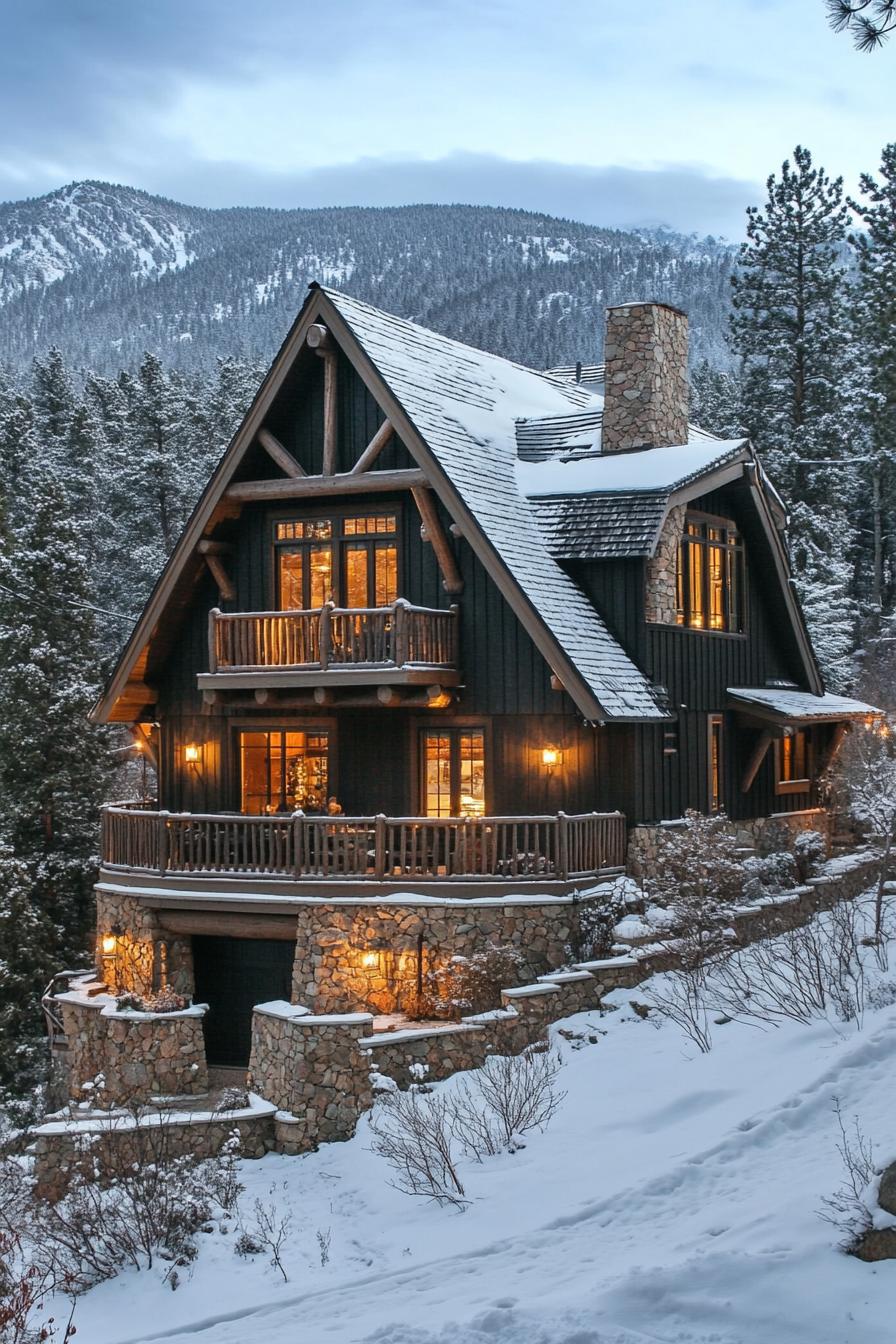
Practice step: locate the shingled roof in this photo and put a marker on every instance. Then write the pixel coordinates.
(465, 405)
(601, 527)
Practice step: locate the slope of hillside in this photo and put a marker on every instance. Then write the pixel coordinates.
(106, 272)
(673, 1199)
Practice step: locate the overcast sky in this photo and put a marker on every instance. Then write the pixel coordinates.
(667, 111)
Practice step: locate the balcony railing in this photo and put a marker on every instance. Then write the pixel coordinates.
(397, 636)
(365, 849)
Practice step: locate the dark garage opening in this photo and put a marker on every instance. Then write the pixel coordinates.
(232, 975)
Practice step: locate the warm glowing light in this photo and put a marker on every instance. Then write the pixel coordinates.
(551, 757)
(108, 944)
(191, 753)
(369, 960)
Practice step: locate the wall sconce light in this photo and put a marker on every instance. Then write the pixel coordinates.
(192, 753)
(370, 960)
(109, 943)
(551, 758)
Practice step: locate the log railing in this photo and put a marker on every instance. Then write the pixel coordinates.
(377, 848)
(399, 635)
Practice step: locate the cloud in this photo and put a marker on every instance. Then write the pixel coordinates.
(678, 196)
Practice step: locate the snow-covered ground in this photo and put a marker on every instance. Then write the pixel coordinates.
(674, 1197)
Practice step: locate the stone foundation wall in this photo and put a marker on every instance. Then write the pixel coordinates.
(139, 1055)
(760, 833)
(115, 1141)
(660, 587)
(366, 956)
(145, 957)
(313, 1068)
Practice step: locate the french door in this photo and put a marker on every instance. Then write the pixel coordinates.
(453, 772)
(350, 560)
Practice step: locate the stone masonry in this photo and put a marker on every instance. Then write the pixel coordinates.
(363, 955)
(313, 1068)
(139, 1055)
(144, 957)
(646, 385)
(660, 587)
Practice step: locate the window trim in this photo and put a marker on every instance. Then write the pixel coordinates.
(804, 783)
(456, 726)
(339, 541)
(238, 726)
(714, 721)
(739, 550)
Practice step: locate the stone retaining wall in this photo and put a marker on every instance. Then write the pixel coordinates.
(111, 1142)
(312, 1068)
(365, 955)
(763, 834)
(139, 1055)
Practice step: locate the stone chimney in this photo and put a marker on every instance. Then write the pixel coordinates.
(646, 381)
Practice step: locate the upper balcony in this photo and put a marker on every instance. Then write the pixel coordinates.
(398, 645)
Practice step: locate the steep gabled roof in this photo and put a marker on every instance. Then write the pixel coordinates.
(464, 405)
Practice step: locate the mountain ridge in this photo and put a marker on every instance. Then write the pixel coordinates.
(105, 272)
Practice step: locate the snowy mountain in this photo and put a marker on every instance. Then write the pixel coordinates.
(107, 272)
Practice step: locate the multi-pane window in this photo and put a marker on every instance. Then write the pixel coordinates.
(453, 772)
(284, 771)
(792, 772)
(352, 561)
(710, 587)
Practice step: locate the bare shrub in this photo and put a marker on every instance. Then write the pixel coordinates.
(128, 1206)
(809, 972)
(847, 1208)
(421, 1135)
(595, 920)
(414, 1132)
(268, 1231)
(678, 996)
(519, 1092)
(24, 1289)
(324, 1237)
(473, 984)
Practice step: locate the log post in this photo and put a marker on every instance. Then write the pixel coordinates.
(751, 769)
(433, 533)
(324, 635)
(212, 639)
(162, 834)
(563, 844)
(379, 847)
(298, 848)
(400, 627)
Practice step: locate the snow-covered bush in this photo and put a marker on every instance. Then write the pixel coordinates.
(163, 1001)
(473, 984)
(809, 851)
(509, 1096)
(594, 920)
(233, 1099)
(769, 875)
(698, 872)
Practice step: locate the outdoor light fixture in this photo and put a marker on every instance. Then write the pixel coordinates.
(551, 757)
(369, 960)
(109, 943)
(191, 753)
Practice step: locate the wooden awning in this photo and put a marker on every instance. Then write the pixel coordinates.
(783, 707)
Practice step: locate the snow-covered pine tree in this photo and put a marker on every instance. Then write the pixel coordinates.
(875, 310)
(54, 766)
(716, 401)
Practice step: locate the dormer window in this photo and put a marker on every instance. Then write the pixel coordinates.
(709, 582)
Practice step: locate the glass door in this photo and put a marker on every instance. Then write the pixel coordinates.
(284, 771)
(453, 772)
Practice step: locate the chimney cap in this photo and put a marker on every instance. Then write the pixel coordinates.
(646, 303)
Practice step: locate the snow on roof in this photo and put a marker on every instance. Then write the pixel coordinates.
(465, 404)
(652, 469)
(802, 704)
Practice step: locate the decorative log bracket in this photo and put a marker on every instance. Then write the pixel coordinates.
(433, 532)
(211, 552)
(283, 458)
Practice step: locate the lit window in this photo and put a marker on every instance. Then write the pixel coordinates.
(792, 771)
(454, 772)
(351, 561)
(284, 771)
(716, 762)
(709, 583)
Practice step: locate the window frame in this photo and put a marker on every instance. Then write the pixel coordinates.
(454, 729)
(715, 766)
(733, 552)
(803, 783)
(246, 725)
(340, 541)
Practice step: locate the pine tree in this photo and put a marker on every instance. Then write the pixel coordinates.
(788, 323)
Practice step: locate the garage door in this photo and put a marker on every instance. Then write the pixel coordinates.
(232, 975)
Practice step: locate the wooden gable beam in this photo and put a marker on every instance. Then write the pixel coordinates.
(434, 534)
(275, 450)
(374, 448)
(347, 483)
(211, 552)
(835, 742)
(320, 341)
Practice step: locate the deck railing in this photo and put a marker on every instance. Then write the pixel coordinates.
(372, 849)
(399, 635)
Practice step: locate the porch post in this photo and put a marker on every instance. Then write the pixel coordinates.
(563, 844)
(379, 847)
(162, 832)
